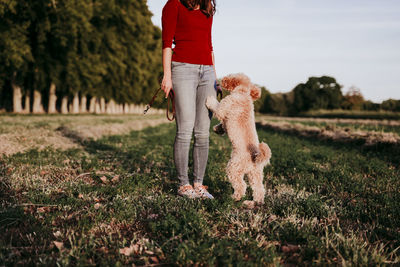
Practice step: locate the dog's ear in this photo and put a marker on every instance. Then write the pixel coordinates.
(255, 92)
(232, 81)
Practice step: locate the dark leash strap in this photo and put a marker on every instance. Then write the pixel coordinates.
(218, 88)
(170, 101)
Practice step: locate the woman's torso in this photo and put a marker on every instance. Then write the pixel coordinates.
(192, 36)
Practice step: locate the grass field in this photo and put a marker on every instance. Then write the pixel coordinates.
(354, 114)
(112, 201)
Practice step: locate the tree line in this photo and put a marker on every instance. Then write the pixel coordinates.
(104, 56)
(319, 93)
(75, 56)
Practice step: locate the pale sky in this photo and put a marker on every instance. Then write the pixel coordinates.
(280, 43)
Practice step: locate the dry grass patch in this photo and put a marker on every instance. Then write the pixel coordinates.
(332, 133)
(21, 133)
(331, 120)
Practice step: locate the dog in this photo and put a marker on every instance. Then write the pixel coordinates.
(249, 156)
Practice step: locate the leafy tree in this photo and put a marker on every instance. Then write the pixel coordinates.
(353, 99)
(276, 104)
(129, 48)
(260, 104)
(15, 51)
(391, 105)
(369, 105)
(317, 93)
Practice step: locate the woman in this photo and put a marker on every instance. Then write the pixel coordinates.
(189, 70)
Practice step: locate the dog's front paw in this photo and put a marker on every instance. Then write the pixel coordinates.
(219, 129)
(236, 196)
(211, 103)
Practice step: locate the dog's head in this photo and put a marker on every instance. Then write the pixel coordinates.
(240, 83)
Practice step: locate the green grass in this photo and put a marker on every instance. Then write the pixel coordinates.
(326, 204)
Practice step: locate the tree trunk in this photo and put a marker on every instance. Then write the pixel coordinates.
(133, 108)
(17, 98)
(75, 103)
(27, 108)
(37, 107)
(83, 104)
(92, 105)
(108, 107)
(102, 105)
(64, 105)
(52, 99)
(97, 108)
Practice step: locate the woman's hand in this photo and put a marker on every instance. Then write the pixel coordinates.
(166, 85)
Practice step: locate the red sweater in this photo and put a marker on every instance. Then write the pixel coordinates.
(190, 31)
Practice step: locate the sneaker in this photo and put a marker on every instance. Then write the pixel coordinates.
(202, 192)
(187, 191)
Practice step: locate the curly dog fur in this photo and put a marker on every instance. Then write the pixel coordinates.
(249, 156)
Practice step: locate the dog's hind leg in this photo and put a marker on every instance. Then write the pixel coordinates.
(255, 177)
(235, 174)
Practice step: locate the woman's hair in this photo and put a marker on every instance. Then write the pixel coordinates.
(206, 6)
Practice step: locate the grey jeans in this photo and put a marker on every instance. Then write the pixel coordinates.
(192, 85)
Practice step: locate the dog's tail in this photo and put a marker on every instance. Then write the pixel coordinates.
(261, 155)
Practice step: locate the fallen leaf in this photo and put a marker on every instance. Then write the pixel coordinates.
(97, 206)
(154, 259)
(127, 251)
(104, 179)
(80, 196)
(40, 210)
(135, 248)
(272, 218)
(59, 245)
(152, 216)
(115, 179)
(290, 248)
(104, 250)
(57, 234)
(43, 209)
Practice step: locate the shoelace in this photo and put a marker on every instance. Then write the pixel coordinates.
(186, 188)
(201, 187)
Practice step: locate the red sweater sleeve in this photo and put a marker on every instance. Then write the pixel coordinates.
(210, 35)
(169, 19)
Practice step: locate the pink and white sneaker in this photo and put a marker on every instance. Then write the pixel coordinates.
(187, 191)
(202, 192)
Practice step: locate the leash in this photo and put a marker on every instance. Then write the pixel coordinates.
(170, 101)
(217, 87)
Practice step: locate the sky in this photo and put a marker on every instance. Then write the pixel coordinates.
(280, 43)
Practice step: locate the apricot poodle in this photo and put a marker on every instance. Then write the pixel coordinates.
(249, 156)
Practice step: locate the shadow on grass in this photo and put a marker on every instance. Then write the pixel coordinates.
(138, 153)
(23, 238)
